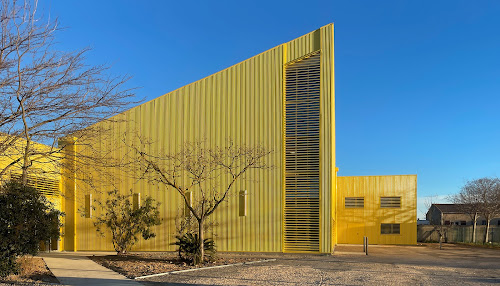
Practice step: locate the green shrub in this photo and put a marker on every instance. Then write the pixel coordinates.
(126, 223)
(8, 266)
(26, 219)
(189, 248)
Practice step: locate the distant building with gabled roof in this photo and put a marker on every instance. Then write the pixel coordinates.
(453, 214)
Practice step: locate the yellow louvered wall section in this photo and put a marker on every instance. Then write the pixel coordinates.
(245, 103)
(302, 100)
(46, 186)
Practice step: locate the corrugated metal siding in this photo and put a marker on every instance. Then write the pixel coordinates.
(327, 139)
(244, 103)
(353, 224)
(68, 204)
(304, 45)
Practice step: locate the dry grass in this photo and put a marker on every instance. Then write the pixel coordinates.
(32, 270)
(482, 245)
(27, 266)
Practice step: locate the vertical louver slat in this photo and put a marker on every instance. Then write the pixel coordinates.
(302, 103)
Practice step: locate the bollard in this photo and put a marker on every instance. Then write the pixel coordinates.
(365, 244)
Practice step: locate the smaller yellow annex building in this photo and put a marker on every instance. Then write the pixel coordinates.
(283, 99)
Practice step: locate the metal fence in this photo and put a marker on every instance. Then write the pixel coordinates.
(456, 233)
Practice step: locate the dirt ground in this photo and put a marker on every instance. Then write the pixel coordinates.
(146, 263)
(385, 265)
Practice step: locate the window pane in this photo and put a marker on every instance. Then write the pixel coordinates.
(390, 228)
(395, 228)
(385, 228)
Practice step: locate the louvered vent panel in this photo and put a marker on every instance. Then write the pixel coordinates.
(302, 102)
(390, 202)
(354, 202)
(47, 187)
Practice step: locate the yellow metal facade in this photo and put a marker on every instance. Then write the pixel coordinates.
(69, 204)
(245, 103)
(356, 222)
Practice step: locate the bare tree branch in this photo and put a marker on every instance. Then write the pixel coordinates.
(46, 93)
(480, 197)
(202, 170)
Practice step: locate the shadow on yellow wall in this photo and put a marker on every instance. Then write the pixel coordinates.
(354, 223)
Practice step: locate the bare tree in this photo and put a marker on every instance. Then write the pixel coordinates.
(489, 205)
(468, 201)
(209, 173)
(440, 228)
(45, 93)
(428, 202)
(442, 231)
(482, 197)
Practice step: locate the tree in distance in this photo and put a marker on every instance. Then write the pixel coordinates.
(480, 197)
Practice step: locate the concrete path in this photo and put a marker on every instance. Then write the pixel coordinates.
(76, 269)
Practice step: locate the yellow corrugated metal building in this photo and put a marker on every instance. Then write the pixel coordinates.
(382, 208)
(284, 99)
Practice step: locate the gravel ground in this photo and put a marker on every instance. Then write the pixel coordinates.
(385, 265)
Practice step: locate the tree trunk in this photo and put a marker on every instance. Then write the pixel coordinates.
(474, 228)
(486, 236)
(201, 239)
(24, 175)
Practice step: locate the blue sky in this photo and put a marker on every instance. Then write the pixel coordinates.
(417, 82)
